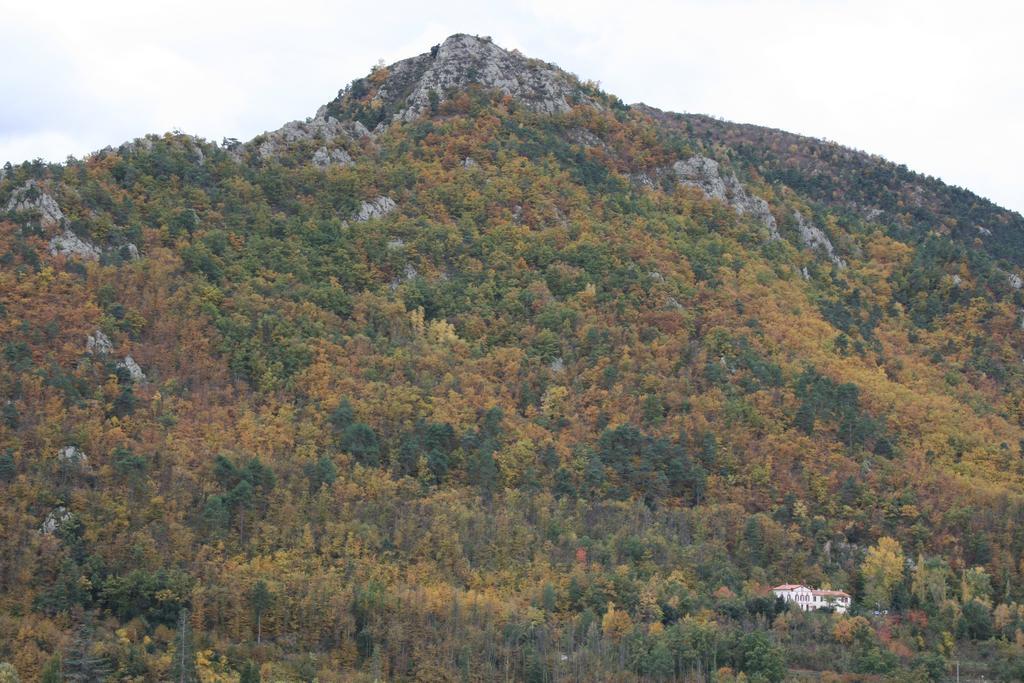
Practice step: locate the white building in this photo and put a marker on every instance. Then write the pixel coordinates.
(809, 599)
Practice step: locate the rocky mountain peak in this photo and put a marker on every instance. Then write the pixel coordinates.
(417, 86)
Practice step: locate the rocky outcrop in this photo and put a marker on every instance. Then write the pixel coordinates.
(409, 273)
(462, 60)
(30, 198)
(134, 371)
(745, 203)
(72, 455)
(584, 138)
(415, 87)
(322, 129)
(702, 173)
(56, 518)
(70, 244)
(705, 174)
(334, 157)
(375, 208)
(642, 180)
(815, 238)
(1015, 281)
(673, 304)
(98, 344)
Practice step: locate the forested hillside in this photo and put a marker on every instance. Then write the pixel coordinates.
(480, 374)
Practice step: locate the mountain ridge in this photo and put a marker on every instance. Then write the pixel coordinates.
(401, 93)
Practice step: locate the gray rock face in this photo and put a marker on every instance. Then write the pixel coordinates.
(321, 128)
(375, 208)
(134, 371)
(55, 520)
(1015, 281)
(409, 273)
(144, 144)
(462, 60)
(813, 237)
(705, 175)
(72, 455)
(335, 157)
(98, 344)
(642, 180)
(30, 197)
(702, 173)
(758, 208)
(197, 151)
(582, 136)
(70, 244)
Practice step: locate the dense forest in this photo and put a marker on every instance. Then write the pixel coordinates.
(495, 387)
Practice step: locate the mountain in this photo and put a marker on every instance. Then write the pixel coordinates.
(481, 374)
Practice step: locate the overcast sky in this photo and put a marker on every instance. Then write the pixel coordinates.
(936, 85)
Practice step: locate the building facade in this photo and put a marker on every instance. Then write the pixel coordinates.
(809, 599)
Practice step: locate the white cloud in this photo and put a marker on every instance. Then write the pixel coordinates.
(50, 145)
(936, 85)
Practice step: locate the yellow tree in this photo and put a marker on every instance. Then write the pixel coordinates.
(616, 624)
(882, 570)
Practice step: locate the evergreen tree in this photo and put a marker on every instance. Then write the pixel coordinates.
(7, 468)
(753, 537)
(81, 664)
(260, 599)
(762, 660)
(361, 441)
(804, 420)
(341, 417)
(52, 670)
(250, 673)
